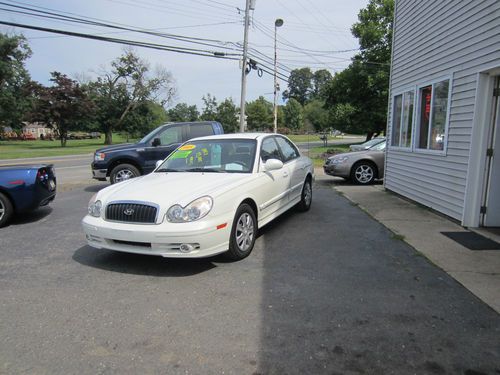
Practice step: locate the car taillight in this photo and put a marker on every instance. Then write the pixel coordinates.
(42, 175)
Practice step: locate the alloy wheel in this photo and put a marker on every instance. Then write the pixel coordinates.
(123, 175)
(307, 194)
(244, 232)
(364, 173)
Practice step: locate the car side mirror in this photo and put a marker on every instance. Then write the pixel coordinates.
(156, 142)
(158, 163)
(273, 164)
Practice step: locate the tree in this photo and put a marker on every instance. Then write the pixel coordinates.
(317, 115)
(360, 92)
(15, 81)
(144, 118)
(299, 85)
(259, 114)
(320, 81)
(227, 115)
(374, 31)
(62, 106)
(125, 86)
(294, 118)
(183, 113)
(209, 111)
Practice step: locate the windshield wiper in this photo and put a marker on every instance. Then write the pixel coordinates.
(168, 170)
(202, 170)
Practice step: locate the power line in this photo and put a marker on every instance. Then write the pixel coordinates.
(163, 28)
(184, 50)
(166, 10)
(100, 23)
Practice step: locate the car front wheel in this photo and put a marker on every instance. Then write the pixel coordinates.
(6, 210)
(363, 173)
(123, 172)
(243, 233)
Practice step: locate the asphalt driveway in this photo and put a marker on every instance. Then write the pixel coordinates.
(330, 291)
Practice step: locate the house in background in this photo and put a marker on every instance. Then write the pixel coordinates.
(443, 121)
(38, 130)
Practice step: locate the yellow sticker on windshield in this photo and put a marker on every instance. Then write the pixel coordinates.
(187, 147)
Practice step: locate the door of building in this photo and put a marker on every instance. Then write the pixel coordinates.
(490, 211)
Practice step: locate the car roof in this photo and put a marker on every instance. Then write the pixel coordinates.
(236, 136)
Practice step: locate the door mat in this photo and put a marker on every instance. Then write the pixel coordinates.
(472, 240)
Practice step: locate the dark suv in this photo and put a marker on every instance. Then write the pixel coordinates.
(121, 162)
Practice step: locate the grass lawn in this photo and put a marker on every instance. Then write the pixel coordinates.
(38, 148)
(310, 137)
(320, 154)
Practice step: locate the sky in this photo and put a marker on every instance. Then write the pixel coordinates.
(315, 33)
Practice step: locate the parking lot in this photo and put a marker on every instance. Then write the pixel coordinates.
(328, 291)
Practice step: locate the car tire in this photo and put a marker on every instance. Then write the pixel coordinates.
(6, 210)
(305, 197)
(243, 233)
(363, 173)
(123, 172)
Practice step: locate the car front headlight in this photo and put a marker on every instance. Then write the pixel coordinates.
(338, 160)
(99, 156)
(195, 210)
(95, 207)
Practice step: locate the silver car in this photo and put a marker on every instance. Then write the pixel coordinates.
(362, 167)
(367, 144)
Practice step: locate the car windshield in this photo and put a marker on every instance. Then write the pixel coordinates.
(372, 142)
(379, 146)
(214, 155)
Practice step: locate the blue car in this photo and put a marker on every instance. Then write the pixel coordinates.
(25, 188)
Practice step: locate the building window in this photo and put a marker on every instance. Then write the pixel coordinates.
(433, 115)
(402, 120)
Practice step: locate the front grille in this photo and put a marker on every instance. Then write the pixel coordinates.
(131, 213)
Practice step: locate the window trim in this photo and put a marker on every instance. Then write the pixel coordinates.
(432, 83)
(413, 123)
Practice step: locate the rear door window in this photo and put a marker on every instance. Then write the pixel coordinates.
(200, 130)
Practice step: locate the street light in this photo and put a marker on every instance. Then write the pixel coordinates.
(277, 23)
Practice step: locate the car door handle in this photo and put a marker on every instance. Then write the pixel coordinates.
(285, 174)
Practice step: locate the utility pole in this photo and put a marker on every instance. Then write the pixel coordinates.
(277, 23)
(248, 6)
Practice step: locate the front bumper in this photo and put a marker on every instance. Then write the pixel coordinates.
(162, 239)
(99, 170)
(339, 170)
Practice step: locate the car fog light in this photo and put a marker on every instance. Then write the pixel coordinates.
(186, 248)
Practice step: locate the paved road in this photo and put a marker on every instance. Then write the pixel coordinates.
(330, 291)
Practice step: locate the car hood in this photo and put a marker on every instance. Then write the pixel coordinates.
(353, 154)
(120, 147)
(166, 189)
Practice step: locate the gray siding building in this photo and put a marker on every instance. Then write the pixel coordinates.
(443, 121)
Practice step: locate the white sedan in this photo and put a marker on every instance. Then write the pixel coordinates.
(210, 196)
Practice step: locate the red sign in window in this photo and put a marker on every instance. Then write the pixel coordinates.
(427, 93)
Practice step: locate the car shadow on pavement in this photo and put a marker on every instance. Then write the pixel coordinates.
(338, 181)
(95, 188)
(32, 216)
(136, 264)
